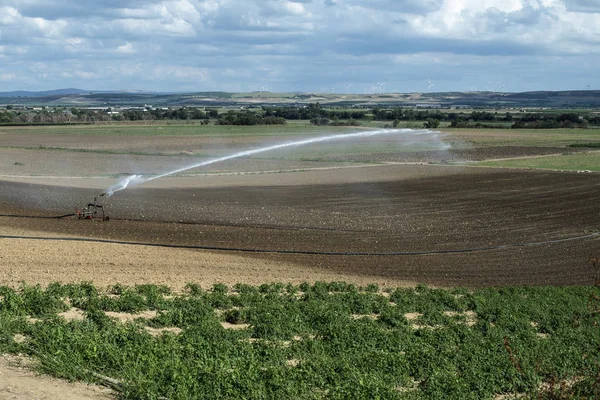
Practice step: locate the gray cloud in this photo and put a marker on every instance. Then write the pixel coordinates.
(56, 9)
(405, 6)
(406, 45)
(296, 44)
(586, 6)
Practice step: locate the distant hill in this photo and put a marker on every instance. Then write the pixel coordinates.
(45, 93)
(67, 92)
(118, 98)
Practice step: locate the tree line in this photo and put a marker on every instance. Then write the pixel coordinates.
(248, 118)
(314, 112)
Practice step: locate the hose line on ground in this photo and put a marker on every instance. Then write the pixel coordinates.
(38, 216)
(305, 252)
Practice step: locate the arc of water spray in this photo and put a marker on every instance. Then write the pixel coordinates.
(134, 180)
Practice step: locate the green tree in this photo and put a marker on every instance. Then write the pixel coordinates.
(431, 123)
(6, 117)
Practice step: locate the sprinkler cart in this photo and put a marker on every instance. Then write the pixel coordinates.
(93, 210)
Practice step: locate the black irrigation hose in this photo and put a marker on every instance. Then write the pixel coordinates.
(38, 216)
(302, 252)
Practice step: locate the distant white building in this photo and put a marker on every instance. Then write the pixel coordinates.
(425, 105)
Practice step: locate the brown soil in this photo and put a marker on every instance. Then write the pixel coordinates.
(450, 209)
(171, 144)
(23, 162)
(73, 314)
(127, 317)
(161, 331)
(461, 155)
(45, 262)
(89, 155)
(228, 325)
(333, 207)
(19, 382)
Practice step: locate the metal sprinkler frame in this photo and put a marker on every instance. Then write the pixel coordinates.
(93, 210)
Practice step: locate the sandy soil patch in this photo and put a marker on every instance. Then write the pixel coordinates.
(161, 331)
(45, 262)
(228, 325)
(293, 362)
(361, 316)
(74, 314)
(412, 316)
(19, 382)
(18, 338)
(127, 317)
(470, 316)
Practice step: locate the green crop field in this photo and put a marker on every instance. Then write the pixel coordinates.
(571, 162)
(327, 340)
(299, 128)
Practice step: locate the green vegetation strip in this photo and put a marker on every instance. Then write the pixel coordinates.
(595, 144)
(177, 130)
(571, 162)
(327, 340)
(108, 151)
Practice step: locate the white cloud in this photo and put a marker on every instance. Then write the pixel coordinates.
(296, 45)
(126, 48)
(9, 16)
(87, 74)
(7, 76)
(180, 72)
(154, 27)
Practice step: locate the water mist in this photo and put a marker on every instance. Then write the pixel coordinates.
(134, 180)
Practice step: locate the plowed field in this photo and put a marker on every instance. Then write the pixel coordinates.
(375, 209)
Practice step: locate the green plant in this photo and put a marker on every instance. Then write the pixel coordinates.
(334, 341)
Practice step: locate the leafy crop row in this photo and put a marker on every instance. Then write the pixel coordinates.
(327, 340)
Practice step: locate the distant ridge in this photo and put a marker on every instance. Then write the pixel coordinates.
(67, 92)
(45, 93)
(139, 98)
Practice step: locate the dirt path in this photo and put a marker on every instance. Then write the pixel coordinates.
(19, 382)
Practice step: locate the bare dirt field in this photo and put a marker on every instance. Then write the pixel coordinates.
(461, 155)
(369, 209)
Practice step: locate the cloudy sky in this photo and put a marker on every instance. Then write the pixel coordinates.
(300, 45)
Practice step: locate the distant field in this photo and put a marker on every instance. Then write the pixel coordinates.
(194, 128)
(302, 128)
(476, 137)
(573, 162)
(525, 137)
(331, 151)
(216, 140)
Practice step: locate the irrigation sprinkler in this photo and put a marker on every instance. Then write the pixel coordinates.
(93, 210)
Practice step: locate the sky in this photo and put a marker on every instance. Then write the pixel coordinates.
(341, 46)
